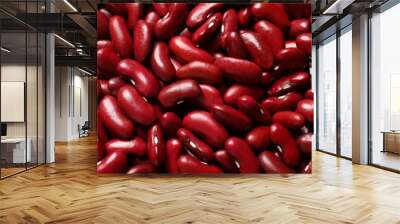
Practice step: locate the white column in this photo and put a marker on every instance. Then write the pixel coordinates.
(360, 90)
(50, 99)
(50, 92)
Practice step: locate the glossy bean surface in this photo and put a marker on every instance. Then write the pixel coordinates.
(178, 91)
(135, 107)
(203, 124)
(284, 139)
(156, 146)
(242, 153)
(204, 88)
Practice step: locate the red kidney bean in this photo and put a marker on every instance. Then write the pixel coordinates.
(189, 165)
(183, 48)
(259, 49)
(120, 37)
(309, 94)
(160, 62)
(113, 118)
(104, 88)
(273, 12)
(104, 44)
(135, 12)
(100, 151)
(186, 33)
(174, 151)
(296, 10)
(258, 138)
(251, 108)
(304, 142)
(208, 29)
(270, 163)
(229, 24)
(142, 40)
(102, 136)
(235, 46)
(201, 12)
(107, 61)
(240, 70)
(241, 152)
(161, 8)
(151, 19)
(163, 69)
(294, 82)
(178, 91)
(167, 26)
(116, 9)
(177, 65)
(291, 59)
(235, 91)
(103, 17)
(156, 146)
(209, 96)
(213, 45)
(145, 82)
(281, 103)
(114, 84)
(195, 146)
(136, 146)
(115, 162)
(307, 168)
(291, 44)
(270, 76)
(203, 124)
(144, 167)
(304, 42)
(244, 16)
(202, 72)
(226, 161)
(306, 108)
(272, 34)
(289, 119)
(231, 117)
(281, 137)
(170, 122)
(135, 107)
(298, 27)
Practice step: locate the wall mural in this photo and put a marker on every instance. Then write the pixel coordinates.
(205, 88)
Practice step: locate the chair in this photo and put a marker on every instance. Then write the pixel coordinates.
(84, 130)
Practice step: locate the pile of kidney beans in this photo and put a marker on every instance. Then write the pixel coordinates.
(204, 88)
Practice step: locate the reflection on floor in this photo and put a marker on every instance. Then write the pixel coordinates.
(70, 191)
(9, 170)
(386, 159)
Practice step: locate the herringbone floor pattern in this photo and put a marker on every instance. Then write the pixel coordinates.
(70, 191)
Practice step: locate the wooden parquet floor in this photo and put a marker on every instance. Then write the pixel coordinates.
(70, 191)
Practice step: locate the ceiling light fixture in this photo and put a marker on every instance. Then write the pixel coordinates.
(337, 7)
(64, 40)
(84, 71)
(70, 5)
(5, 50)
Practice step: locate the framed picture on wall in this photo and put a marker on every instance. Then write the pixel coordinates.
(206, 88)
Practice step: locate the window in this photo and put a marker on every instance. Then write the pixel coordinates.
(346, 92)
(385, 89)
(327, 95)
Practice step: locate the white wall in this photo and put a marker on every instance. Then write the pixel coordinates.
(71, 94)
